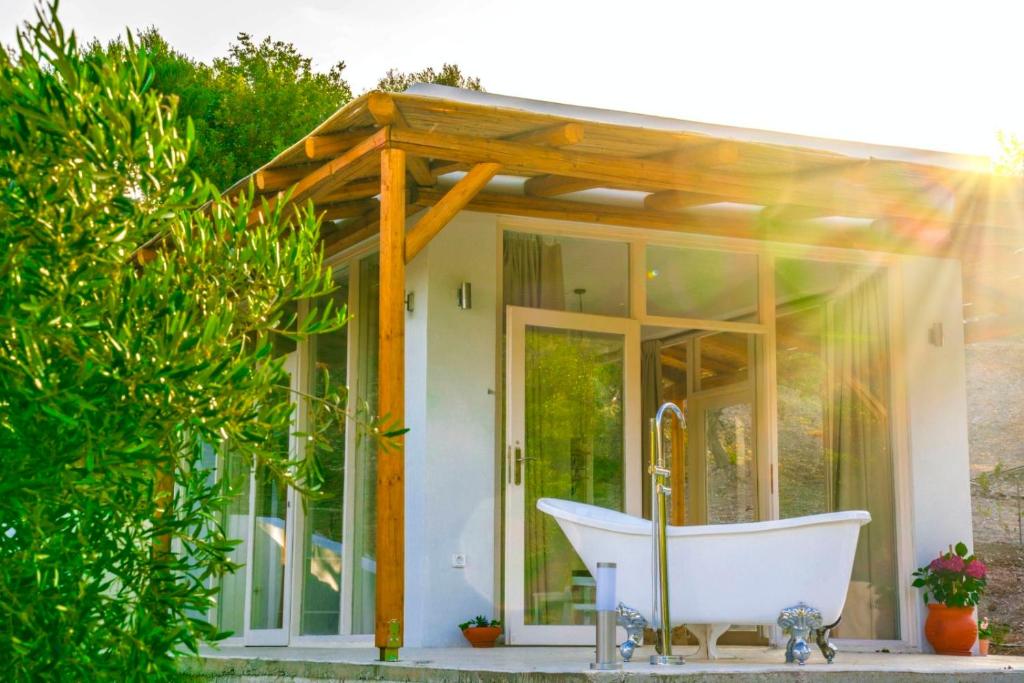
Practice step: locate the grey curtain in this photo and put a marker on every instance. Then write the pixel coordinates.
(650, 399)
(533, 272)
(858, 442)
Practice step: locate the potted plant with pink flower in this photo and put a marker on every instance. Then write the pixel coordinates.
(953, 584)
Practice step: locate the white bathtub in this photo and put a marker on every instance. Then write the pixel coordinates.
(721, 574)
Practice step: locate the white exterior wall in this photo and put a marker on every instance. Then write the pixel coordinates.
(450, 463)
(451, 403)
(936, 404)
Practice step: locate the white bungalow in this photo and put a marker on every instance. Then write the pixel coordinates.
(529, 280)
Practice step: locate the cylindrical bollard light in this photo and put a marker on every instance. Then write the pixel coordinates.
(607, 617)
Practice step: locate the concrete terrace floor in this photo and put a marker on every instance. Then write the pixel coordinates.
(571, 664)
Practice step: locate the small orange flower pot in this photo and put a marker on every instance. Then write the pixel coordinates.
(482, 636)
(951, 630)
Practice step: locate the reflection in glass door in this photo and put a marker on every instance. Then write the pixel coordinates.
(571, 435)
(269, 576)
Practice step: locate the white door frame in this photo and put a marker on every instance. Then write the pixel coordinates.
(275, 636)
(518, 318)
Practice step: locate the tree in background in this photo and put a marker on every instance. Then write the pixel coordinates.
(246, 107)
(252, 104)
(138, 319)
(1011, 161)
(450, 74)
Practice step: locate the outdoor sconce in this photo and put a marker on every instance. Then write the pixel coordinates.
(464, 296)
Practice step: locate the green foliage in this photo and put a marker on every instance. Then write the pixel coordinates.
(246, 107)
(1011, 160)
(479, 621)
(114, 377)
(449, 74)
(955, 578)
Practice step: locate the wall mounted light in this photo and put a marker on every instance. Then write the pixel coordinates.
(464, 296)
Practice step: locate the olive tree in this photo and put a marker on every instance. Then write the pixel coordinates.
(138, 314)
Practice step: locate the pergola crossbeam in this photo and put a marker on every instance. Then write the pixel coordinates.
(438, 215)
(657, 175)
(327, 176)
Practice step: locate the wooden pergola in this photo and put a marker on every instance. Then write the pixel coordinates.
(384, 157)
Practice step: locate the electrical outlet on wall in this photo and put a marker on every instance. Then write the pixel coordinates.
(459, 560)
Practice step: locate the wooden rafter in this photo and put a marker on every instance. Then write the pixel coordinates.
(385, 112)
(438, 215)
(330, 175)
(353, 209)
(712, 155)
(320, 147)
(676, 200)
(561, 135)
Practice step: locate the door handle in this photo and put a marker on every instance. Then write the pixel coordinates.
(519, 460)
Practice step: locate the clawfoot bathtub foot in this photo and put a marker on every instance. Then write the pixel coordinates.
(707, 636)
(824, 644)
(634, 624)
(797, 622)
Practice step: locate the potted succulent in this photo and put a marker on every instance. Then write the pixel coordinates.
(953, 583)
(481, 631)
(984, 635)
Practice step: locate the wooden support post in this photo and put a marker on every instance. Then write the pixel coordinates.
(391, 399)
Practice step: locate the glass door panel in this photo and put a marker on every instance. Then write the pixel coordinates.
(728, 454)
(570, 385)
(269, 568)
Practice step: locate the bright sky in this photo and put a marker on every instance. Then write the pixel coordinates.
(931, 74)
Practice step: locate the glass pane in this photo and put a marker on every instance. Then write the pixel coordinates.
(697, 283)
(268, 553)
(364, 539)
(724, 359)
(235, 523)
(269, 541)
(729, 456)
(566, 274)
(665, 367)
(834, 426)
(574, 394)
(322, 530)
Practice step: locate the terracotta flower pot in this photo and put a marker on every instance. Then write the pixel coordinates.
(951, 630)
(983, 647)
(482, 636)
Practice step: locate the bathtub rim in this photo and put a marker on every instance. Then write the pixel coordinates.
(620, 522)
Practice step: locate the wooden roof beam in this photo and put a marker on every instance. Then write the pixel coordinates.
(788, 213)
(736, 225)
(655, 175)
(276, 179)
(713, 155)
(354, 209)
(677, 200)
(561, 135)
(320, 147)
(438, 215)
(385, 112)
(328, 176)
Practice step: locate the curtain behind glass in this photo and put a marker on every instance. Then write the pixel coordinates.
(834, 427)
(860, 453)
(533, 272)
(650, 399)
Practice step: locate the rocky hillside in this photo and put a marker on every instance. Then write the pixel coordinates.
(995, 410)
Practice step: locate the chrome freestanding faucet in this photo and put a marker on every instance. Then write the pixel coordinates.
(660, 490)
